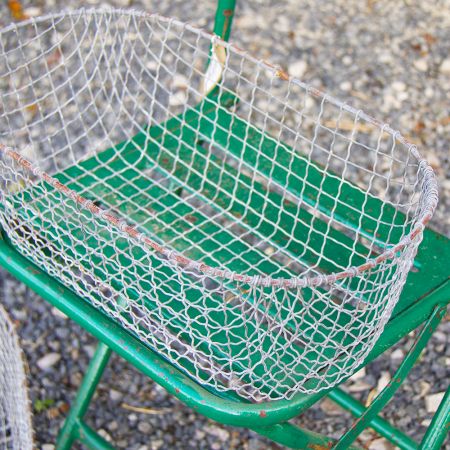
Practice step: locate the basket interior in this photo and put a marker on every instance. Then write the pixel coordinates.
(262, 177)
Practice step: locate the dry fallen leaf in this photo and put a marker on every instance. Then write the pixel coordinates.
(215, 68)
(16, 9)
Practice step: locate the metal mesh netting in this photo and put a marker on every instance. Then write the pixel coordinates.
(239, 234)
(15, 416)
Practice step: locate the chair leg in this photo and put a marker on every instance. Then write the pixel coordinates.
(439, 426)
(370, 413)
(73, 424)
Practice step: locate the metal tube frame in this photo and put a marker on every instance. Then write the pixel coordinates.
(269, 419)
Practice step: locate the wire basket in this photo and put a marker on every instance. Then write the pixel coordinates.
(252, 230)
(16, 432)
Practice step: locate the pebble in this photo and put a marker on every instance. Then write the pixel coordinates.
(105, 435)
(57, 313)
(421, 64)
(48, 447)
(114, 395)
(132, 418)
(433, 401)
(361, 373)
(200, 435)
(359, 386)
(383, 381)
(345, 86)
(429, 92)
(178, 98)
(433, 160)
(32, 11)
(180, 81)
(398, 86)
(113, 426)
(397, 354)
(298, 69)
(219, 432)
(157, 444)
(347, 60)
(144, 427)
(380, 444)
(444, 68)
(48, 360)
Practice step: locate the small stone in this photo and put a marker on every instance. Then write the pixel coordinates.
(445, 67)
(132, 418)
(398, 354)
(157, 444)
(433, 401)
(439, 335)
(104, 434)
(298, 68)
(57, 313)
(220, 433)
(48, 360)
(424, 388)
(429, 92)
(358, 375)
(347, 60)
(199, 435)
(245, 21)
(390, 102)
(421, 64)
(380, 444)
(151, 65)
(446, 185)
(433, 160)
(398, 86)
(112, 426)
(48, 447)
(144, 427)
(385, 58)
(345, 86)
(32, 11)
(180, 81)
(114, 395)
(178, 98)
(359, 386)
(383, 381)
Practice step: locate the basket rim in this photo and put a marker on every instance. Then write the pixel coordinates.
(429, 183)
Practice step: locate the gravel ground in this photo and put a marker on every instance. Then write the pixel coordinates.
(387, 58)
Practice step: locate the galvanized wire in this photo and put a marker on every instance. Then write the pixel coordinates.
(229, 253)
(16, 432)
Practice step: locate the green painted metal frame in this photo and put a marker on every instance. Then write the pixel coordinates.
(424, 306)
(269, 419)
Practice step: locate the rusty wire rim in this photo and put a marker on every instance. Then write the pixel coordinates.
(429, 183)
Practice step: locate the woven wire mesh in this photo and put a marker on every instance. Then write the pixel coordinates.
(250, 248)
(15, 416)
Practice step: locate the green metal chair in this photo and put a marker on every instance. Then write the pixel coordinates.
(205, 216)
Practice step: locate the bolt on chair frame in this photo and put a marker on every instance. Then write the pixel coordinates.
(423, 304)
